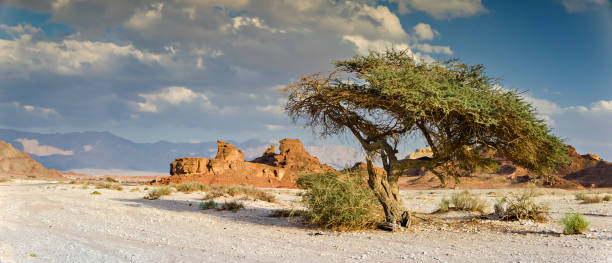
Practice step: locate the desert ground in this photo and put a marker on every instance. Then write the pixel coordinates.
(47, 221)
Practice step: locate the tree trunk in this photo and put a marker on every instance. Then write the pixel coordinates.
(386, 190)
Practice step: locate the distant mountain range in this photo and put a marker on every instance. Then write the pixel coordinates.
(103, 151)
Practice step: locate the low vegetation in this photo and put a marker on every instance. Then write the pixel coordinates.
(580, 196)
(607, 198)
(111, 186)
(156, 193)
(5, 180)
(464, 201)
(521, 207)
(210, 204)
(574, 223)
(231, 206)
(339, 202)
(189, 187)
(592, 199)
(286, 213)
(214, 191)
(96, 193)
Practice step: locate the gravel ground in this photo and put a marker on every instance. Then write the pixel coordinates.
(49, 222)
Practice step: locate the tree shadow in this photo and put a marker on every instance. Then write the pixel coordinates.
(251, 215)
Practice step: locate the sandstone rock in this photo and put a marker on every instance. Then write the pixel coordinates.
(420, 153)
(228, 152)
(229, 167)
(17, 162)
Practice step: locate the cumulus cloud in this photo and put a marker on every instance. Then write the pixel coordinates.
(573, 6)
(31, 146)
(170, 96)
(425, 32)
(25, 53)
(443, 9)
(583, 126)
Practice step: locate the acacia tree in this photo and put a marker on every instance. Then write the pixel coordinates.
(384, 97)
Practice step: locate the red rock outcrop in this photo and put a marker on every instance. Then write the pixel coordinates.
(229, 167)
(15, 162)
(293, 157)
(589, 170)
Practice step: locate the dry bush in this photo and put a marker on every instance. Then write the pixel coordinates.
(466, 201)
(156, 193)
(111, 186)
(339, 202)
(135, 189)
(521, 207)
(5, 180)
(580, 196)
(214, 191)
(607, 198)
(232, 206)
(189, 187)
(444, 205)
(574, 223)
(592, 199)
(110, 180)
(286, 213)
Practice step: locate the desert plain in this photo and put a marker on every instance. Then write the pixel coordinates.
(51, 221)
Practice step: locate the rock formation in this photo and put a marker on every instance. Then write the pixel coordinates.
(293, 157)
(420, 153)
(15, 162)
(228, 152)
(229, 167)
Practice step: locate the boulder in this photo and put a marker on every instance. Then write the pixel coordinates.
(293, 157)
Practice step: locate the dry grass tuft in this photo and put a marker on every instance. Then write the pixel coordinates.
(96, 193)
(214, 191)
(592, 199)
(5, 180)
(231, 206)
(286, 213)
(466, 201)
(521, 207)
(156, 193)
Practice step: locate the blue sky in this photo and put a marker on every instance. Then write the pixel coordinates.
(202, 70)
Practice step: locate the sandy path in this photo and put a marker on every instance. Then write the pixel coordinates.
(45, 222)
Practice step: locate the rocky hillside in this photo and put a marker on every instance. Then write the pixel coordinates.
(17, 163)
(230, 168)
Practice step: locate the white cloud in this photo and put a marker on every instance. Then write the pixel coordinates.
(425, 32)
(427, 48)
(32, 147)
(39, 111)
(67, 57)
(443, 9)
(272, 127)
(365, 45)
(87, 147)
(172, 96)
(573, 6)
(584, 126)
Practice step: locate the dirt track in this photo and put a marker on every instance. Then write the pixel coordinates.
(48, 222)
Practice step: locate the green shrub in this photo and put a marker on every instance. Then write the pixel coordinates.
(444, 205)
(521, 207)
(156, 193)
(339, 202)
(96, 193)
(466, 201)
(592, 199)
(580, 196)
(574, 223)
(607, 198)
(85, 186)
(208, 205)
